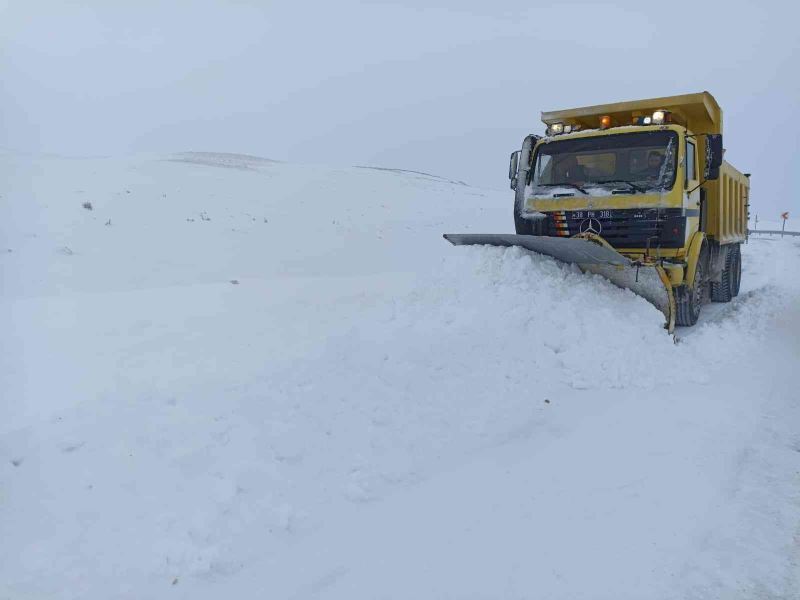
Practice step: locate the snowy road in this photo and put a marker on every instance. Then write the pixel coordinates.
(234, 377)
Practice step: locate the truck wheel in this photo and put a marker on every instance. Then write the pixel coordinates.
(689, 299)
(521, 226)
(723, 291)
(736, 271)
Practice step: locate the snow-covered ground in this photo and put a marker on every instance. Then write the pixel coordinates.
(239, 378)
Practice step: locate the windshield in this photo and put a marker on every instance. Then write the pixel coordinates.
(637, 161)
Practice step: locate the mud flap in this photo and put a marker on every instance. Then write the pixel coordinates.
(593, 255)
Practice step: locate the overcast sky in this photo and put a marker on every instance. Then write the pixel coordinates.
(447, 88)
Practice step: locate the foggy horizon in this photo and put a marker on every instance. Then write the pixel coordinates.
(448, 90)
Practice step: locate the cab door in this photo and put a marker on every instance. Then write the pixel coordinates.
(691, 186)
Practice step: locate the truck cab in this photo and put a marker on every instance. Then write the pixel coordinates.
(637, 187)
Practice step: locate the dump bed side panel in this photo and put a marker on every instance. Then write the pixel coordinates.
(726, 204)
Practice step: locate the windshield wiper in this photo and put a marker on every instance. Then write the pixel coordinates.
(634, 187)
(572, 185)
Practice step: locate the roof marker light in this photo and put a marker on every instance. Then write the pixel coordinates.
(605, 122)
(556, 128)
(659, 117)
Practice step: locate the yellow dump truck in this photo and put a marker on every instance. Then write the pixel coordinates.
(637, 192)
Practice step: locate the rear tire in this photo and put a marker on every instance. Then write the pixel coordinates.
(737, 270)
(689, 300)
(722, 291)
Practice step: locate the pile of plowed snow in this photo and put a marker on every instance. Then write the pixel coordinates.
(228, 375)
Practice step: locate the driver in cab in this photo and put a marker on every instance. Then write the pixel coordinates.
(654, 162)
(572, 172)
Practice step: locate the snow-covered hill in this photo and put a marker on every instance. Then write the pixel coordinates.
(238, 377)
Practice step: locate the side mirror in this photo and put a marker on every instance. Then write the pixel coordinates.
(513, 168)
(713, 156)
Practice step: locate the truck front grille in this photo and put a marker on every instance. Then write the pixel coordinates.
(624, 228)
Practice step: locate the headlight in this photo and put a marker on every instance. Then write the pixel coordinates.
(556, 128)
(659, 117)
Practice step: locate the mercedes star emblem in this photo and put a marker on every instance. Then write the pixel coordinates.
(591, 226)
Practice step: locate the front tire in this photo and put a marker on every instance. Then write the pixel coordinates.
(689, 299)
(521, 226)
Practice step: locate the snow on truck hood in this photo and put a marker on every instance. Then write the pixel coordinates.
(562, 191)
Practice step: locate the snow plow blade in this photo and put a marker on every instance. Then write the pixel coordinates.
(593, 255)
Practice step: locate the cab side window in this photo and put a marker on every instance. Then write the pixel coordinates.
(691, 173)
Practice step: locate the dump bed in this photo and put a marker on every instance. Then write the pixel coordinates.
(726, 206)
